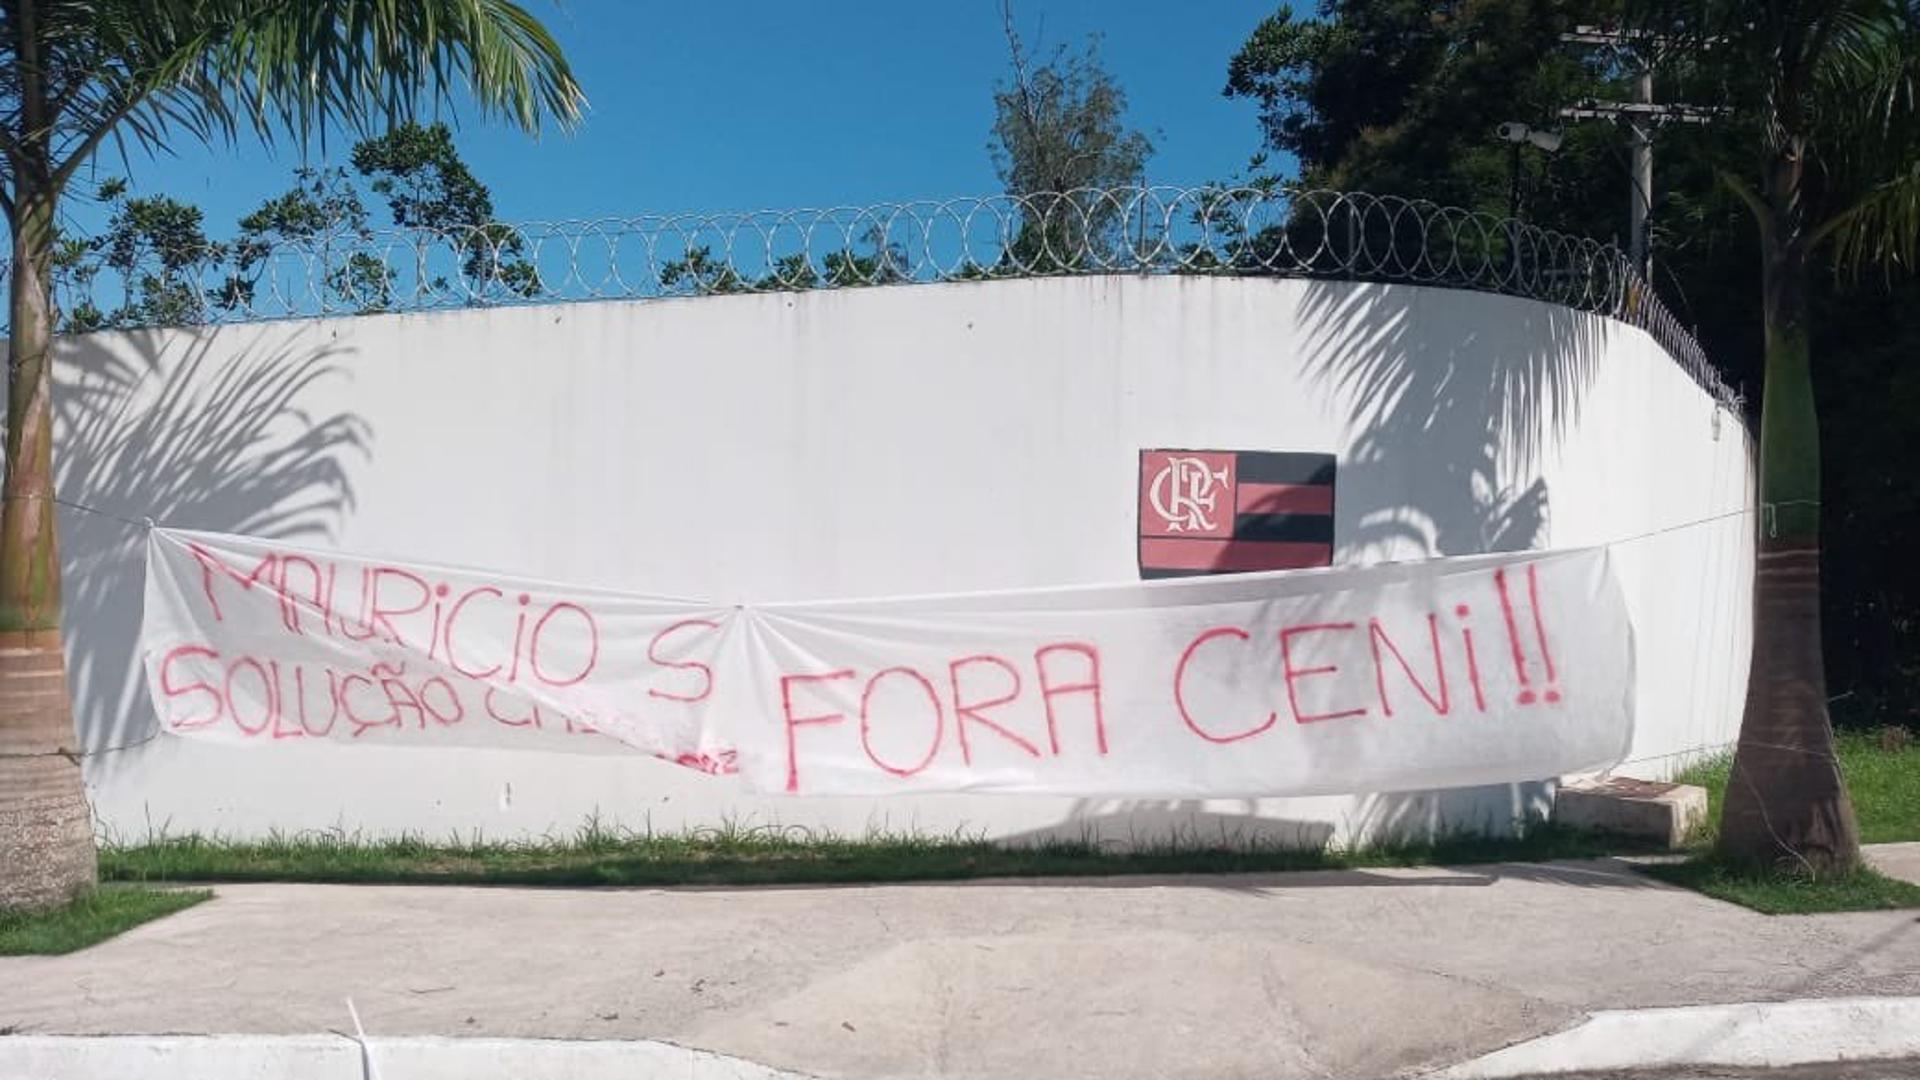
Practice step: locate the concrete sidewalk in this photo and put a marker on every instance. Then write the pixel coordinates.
(1896, 860)
(1352, 974)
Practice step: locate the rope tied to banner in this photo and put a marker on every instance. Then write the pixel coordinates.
(77, 756)
(145, 522)
(146, 525)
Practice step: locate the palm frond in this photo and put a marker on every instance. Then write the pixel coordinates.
(147, 69)
(1865, 74)
(1880, 229)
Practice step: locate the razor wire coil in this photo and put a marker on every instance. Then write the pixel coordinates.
(1243, 231)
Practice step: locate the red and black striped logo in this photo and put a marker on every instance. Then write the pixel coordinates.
(1228, 511)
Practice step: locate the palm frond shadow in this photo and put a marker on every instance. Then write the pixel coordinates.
(180, 430)
(1453, 400)
(1453, 397)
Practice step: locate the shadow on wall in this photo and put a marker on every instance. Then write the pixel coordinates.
(1449, 426)
(152, 426)
(1452, 406)
(1443, 460)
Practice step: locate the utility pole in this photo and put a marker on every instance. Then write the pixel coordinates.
(1641, 140)
(1641, 116)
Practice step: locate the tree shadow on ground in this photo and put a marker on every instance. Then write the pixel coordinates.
(158, 426)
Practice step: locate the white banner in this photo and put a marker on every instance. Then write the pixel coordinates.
(1446, 673)
(258, 641)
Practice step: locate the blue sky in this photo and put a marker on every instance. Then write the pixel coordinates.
(750, 104)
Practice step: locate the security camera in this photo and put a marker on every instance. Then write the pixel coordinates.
(1514, 131)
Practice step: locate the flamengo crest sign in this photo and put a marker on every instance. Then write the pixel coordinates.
(1224, 511)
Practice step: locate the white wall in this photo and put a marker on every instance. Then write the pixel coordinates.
(923, 438)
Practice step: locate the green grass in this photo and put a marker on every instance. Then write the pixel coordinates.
(1884, 781)
(1885, 786)
(1789, 894)
(1886, 789)
(746, 856)
(93, 918)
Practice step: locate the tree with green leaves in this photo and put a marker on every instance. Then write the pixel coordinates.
(324, 222)
(429, 191)
(154, 244)
(699, 272)
(1402, 98)
(157, 249)
(1821, 142)
(1059, 141)
(77, 73)
(1391, 97)
(1816, 144)
(429, 188)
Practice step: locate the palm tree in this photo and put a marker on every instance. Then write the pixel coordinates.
(75, 73)
(1819, 141)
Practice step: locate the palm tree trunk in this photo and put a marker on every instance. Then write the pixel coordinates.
(1786, 805)
(46, 830)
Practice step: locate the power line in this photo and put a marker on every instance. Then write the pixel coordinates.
(1642, 115)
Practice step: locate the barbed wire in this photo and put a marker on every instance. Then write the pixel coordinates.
(1243, 231)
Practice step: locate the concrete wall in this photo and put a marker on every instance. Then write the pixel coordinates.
(862, 442)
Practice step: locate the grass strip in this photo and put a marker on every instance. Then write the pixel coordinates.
(1776, 893)
(1882, 770)
(746, 856)
(92, 918)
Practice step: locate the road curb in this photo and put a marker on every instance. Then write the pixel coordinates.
(1753, 1035)
(340, 1057)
